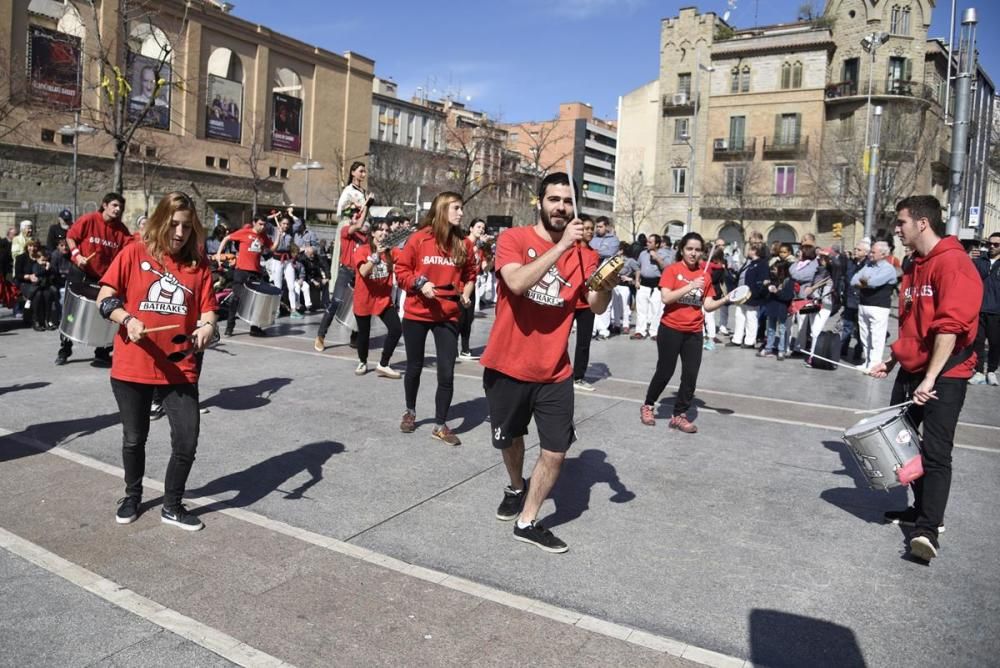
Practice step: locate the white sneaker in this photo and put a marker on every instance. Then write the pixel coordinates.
(723, 330)
(361, 370)
(991, 378)
(467, 356)
(977, 379)
(387, 372)
(582, 386)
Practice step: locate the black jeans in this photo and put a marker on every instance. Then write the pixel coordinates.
(240, 278)
(989, 330)
(466, 314)
(75, 279)
(446, 350)
(345, 279)
(584, 319)
(671, 344)
(390, 319)
(939, 417)
(180, 403)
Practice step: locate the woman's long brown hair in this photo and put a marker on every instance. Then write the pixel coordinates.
(449, 237)
(156, 235)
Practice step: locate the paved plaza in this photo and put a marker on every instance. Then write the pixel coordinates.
(333, 539)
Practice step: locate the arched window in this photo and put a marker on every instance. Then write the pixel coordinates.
(734, 85)
(148, 40)
(71, 23)
(150, 55)
(288, 82)
(745, 79)
(224, 96)
(674, 230)
(797, 75)
(781, 233)
(786, 75)
(732, 233)
(226, 64)
(286, 110)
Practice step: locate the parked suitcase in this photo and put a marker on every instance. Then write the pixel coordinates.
(828, 346)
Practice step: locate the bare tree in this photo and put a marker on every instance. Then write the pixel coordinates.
(256, 145)
(476, 156)
(396, 172)
(634, 201)
(11, 98)
(113, 113)
(736, 193)
(538, 148)
(150, 153)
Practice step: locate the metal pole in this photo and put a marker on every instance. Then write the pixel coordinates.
(960, 127)
(305, 211)
(951, 50)
(694, 139)
(76, 153)
(868, 105)
(873, 174)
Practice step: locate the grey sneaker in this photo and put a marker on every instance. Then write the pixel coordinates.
(361, 369)
(128, 509)
(582, 386)
(387, 372)
(991, 378)
(924, 545)
(978, 378)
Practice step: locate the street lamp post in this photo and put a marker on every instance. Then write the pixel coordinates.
(75, 131)
(871, 43)
(960, 127)
(872, 174)
(307, 167)
(694, 136)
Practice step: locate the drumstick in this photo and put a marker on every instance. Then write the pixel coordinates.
(162, 328)
(887, 408)
(848, 366)
(572, 189)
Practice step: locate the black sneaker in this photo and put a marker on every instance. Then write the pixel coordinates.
(155, 410)
(257, 331)
(924, 545)
(61, 359)
(540, 537)
(101, 362)
(513, 502)
(905, 518)
(180, 517)
(128, 509)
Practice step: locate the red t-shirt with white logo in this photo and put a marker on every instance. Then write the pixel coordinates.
(590, 257)
(529, 337)
(685, 314)
(422, 257)
(92, 235)
(251, 246)
(350, 243)
(372, 293)
(158, 293)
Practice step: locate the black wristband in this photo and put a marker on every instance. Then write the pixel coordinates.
(109, 304)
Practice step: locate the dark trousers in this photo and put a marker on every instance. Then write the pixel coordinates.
(848, 328)
(466, 314)
(180, 403)
(240, 278)
(584, 319)
(390, 319)
(670, 345)
(75, 279)
(989, 330)
(446, 350)
(44, 302)
(345, 279)
(939, 418)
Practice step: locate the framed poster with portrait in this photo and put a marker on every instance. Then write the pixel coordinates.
(142, 77)
(286, 130)
(54, 67)
(223, 118)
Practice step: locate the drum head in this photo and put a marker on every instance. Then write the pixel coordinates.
(86, 291)
(264, 288)
(874, 422)
(740, 294)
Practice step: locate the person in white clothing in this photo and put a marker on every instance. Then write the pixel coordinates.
(280, 267)
(752, 273)
(875, 282)
(621, 300)
(822, 291)
(648, 302)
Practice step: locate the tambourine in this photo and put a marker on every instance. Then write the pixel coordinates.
(610, 267)
(739, 295)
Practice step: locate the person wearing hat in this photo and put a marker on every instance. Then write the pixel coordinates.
(58, 230)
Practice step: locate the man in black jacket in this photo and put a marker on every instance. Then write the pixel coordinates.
(989, 315)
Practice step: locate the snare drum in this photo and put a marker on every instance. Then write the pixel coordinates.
(345, 311)
(887, 448)
(258, 304)
(81, 317)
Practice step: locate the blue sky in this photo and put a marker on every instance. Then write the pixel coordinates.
(519, 59)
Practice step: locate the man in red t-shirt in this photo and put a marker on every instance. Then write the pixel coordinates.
(94, 240)
(253, 242)
(542, 275)
(939, 301)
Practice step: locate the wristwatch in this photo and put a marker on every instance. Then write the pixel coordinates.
(419, 284)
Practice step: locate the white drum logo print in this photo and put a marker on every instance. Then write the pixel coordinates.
(166, 295)
(548, 288)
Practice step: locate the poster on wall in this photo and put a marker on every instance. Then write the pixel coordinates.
(142, 77)
(54, 67)
(286, 133)
(225, 98)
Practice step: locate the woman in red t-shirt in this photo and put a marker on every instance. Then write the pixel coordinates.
(433, 262)
(160, 289)
(373, 296)
(685, 289)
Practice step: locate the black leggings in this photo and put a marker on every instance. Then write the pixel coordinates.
(671, 344)
(584, 319)
(390, 319)
(466, 314)
(446, 350)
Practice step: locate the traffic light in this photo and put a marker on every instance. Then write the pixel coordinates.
(838, 230)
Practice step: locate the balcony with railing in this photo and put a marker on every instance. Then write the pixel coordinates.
(755, 206)
(779, 148)
(846, 90)
(678, 104)
(734, 149)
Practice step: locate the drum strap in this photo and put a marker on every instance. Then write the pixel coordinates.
(957, 358)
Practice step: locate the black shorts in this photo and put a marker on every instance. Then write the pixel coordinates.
(513, 402)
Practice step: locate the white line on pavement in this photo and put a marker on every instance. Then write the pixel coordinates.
(211, 639)
(525, 604)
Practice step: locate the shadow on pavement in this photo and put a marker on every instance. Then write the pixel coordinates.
(259, 480)
(863, 502)
(573, 489)
(47, 435)
(779, 639)
(665, 408)
(25, 386)
(247, 397)
(473, 413)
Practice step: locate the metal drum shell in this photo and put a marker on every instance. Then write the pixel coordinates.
(345, 311)
(881, 444)
(81, 318)
(259, 304)
(609, 266)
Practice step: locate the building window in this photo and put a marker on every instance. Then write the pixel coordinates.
(223, 163)
(787, 129)
(735, 179)
(745, 79)
(842, 180)
(784, 180)
(847, 126)
(680, 180)
(67, 140)
(899, 20)
(849, 74)
(734, 80)
(210, 161)
(786, 76)
(737, 132)
(150, 151)
(272, 171)
(797, 75)
(681, 134)
(684, 83)
(900, 69)
(49, 136)
(283, 173)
